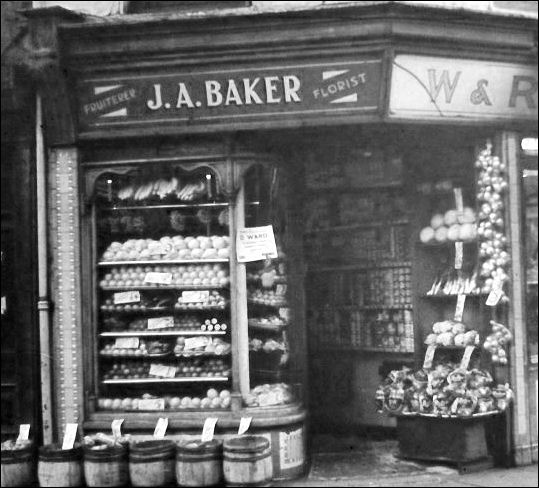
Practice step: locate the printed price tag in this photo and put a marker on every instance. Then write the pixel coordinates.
(465, 362)
(4, 305)
(159, 278)
(458, 255)
(245, 423)
(195, 342)
(69, 436)
(255, 244)
(494, 297)
(280, 290)
(162, 371)
(126, 342)
(284, 313)
(429, 356)
(160, 428)
(208, 429)
(24, 432)
(151, 404)
(117, 427)
(195, 296)
(459, 204)
(459, 310)
(160, 323)
(126, 297)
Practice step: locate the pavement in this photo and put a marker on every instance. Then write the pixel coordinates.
(350, 461)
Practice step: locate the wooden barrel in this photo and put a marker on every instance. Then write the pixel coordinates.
(199, 463)
(106, 466)
(151, 463)
(18, 467)
(59, 467)
(247, 461)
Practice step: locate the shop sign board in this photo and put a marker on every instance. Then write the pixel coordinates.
(240, 94)
(446, 88)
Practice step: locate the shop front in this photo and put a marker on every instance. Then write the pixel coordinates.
(236, 221)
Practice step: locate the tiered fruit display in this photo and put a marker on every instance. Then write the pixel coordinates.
(213, 300)
(270, 322)
(203, 345)
(451, 226)
(205, 275)
(269, 395)
(169, 248)
(146, 303)
(267, 297)
(446, 391)
(452, 333)
(493, 248)
(214, 399)
(145, 348)
(133, 369)
(495, 342)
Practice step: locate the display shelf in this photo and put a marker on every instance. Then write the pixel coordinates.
(142, 206)
(269, 305)
(451, 348)
(267, 327)
(365, 264)
(191, 379)
(445, 244)
(201, 354)
(356, 188)
(162, 261)
(135, 356)
(140, 310)
(171, 333)
(360, 349)
(164, 287)
(447, 297)
(359, 225)
(200, 309)
(167, 310)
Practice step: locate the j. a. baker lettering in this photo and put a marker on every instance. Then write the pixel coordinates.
(245, 91)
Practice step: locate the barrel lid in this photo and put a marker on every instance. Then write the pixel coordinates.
(247, 443)
(54, 452)
(199, 446)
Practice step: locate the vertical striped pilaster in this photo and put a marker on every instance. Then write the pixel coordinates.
(65, 286)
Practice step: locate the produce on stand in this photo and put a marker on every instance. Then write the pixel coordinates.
(496, 341)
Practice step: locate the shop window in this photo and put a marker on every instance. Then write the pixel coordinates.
(148, 7)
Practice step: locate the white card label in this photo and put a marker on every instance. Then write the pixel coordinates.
(151, 404)
(69, 436)
(291, 449)
(494, 296)
(159, 278)
(24, 432)
(162, 371)
(280, 290)
(459, 204)
(255, 244)
(160, 428)
(195, 342)
(126, 297)
(458, 255)
(116, 427)
(126, 342)
(4, 305)
(429, 356)
(284, 313)
(160, 323)
(195, 296)
(459, 310)
(465, 362)
(245, 423)
(208, 429)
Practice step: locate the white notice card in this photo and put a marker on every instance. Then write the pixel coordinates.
(208, 429)
(69, 436)
(24, 432)
(255, 244)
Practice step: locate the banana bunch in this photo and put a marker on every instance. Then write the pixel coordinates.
(162, 187)
(144, 191)
(126, 192)
(191, 191)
